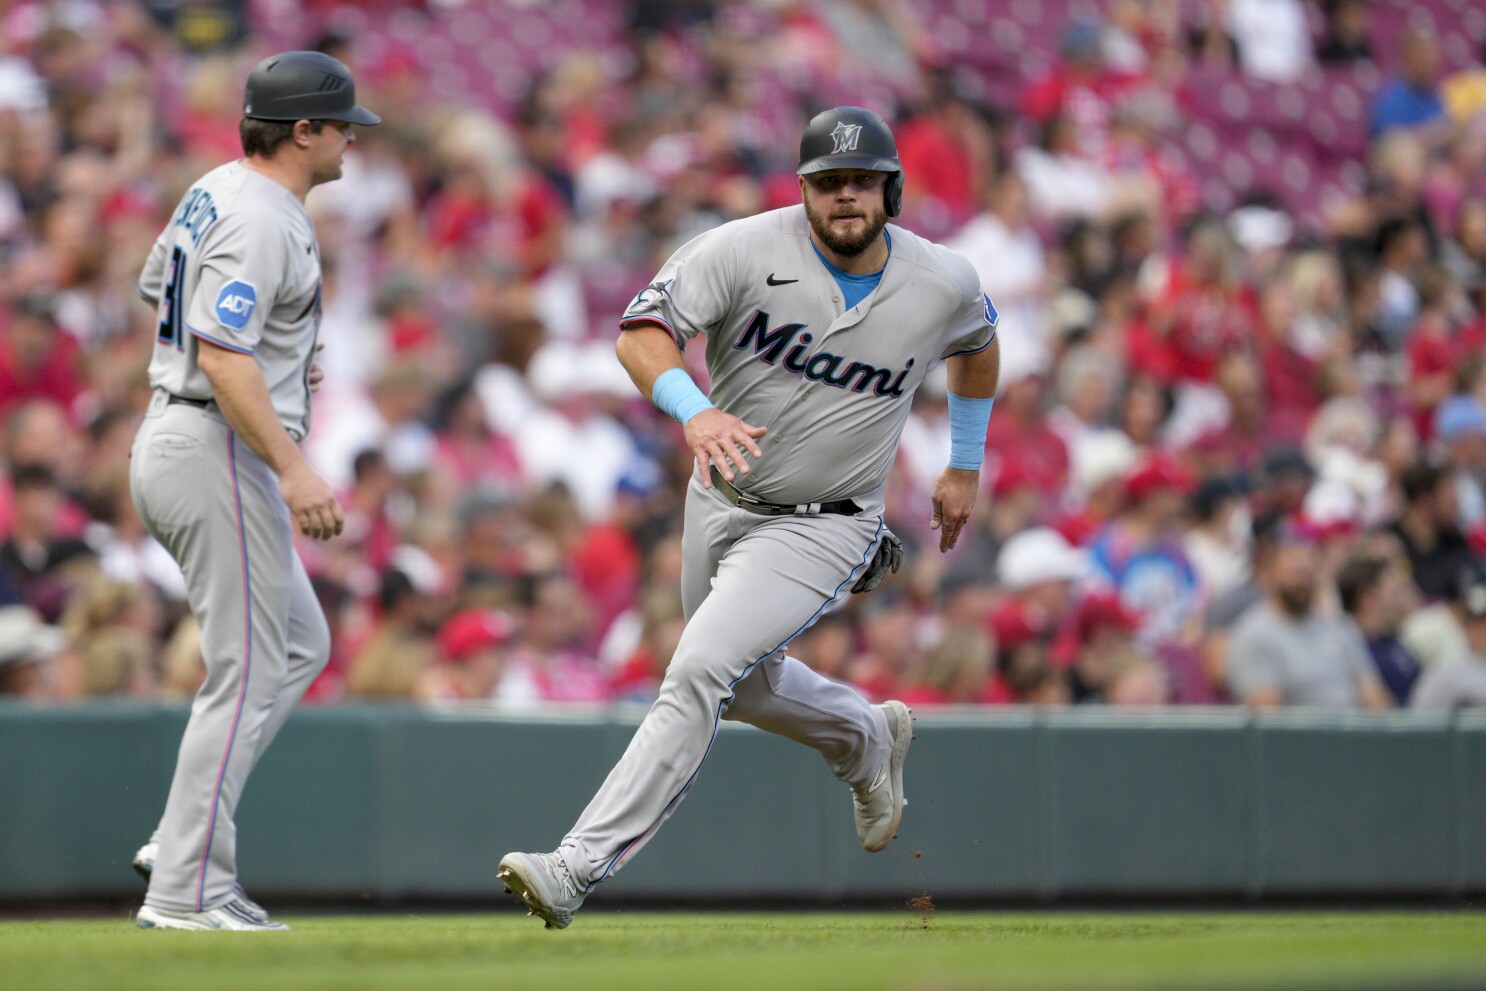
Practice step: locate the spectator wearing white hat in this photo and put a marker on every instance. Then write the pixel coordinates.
(1039, 568)
(29, 650)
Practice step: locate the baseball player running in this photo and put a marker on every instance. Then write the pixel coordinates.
(821, 322)
(216, 471)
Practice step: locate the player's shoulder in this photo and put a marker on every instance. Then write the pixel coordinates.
(748, 238)
(786, 222)
(939, 263)
(771, 225)
(250, 205)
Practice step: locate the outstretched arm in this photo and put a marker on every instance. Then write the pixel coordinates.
(972, 386)
(648, 352)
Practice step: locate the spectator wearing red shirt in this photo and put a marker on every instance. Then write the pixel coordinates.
(491, 204)
(469, 455)
(38, 432)
(1081, 86)
(947, 147)
(1289, 376)
(1203, 313)
(1238, 447)
(1020, 439)
(1435, 352)
(38, 360)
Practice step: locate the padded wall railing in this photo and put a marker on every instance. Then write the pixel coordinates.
(393, 803)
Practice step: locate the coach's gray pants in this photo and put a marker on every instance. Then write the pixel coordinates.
(749, 584)
(215, 505)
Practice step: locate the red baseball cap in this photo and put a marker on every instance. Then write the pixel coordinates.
(1011, 476)
(1158, 470)
(1105, 609)
(1013, 624)
(473, 630)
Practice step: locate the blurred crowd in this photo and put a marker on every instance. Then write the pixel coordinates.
(1238, 455)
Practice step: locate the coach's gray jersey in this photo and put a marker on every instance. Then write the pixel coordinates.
(832, 385)
(237, 266)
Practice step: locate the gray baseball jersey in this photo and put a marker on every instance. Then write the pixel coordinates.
(237, 266)
(833, 385)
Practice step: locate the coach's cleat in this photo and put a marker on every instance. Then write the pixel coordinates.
(879, 806)
(144, 866)
(225, 917)
(544, 883)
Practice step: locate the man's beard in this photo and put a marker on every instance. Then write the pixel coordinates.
(846, 245)
(1296, 600)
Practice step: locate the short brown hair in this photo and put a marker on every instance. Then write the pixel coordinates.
(263, 137)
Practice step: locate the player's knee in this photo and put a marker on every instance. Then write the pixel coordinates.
(697, 672)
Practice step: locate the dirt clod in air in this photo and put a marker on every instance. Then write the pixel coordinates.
(924, 906)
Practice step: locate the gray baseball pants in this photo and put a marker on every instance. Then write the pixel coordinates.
(749, 585)
(215, 505)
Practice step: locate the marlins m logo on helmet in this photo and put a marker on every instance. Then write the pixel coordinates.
(846, 137)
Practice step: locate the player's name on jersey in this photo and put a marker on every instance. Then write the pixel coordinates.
(825, 367)
(196, 214)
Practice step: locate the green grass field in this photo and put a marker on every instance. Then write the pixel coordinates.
(644, 950)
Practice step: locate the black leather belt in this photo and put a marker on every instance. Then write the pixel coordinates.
(198, 403)
(730, 492)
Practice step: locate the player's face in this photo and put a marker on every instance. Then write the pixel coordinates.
(328, 148)
(846, 208)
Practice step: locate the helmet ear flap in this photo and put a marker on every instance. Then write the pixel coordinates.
(892, 194)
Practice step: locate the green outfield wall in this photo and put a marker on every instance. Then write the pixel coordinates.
(382, 804)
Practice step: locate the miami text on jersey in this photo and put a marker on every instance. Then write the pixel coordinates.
(197, 213)
(825, 367)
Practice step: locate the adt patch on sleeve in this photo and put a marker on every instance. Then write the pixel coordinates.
(235, 304)
(991, 315)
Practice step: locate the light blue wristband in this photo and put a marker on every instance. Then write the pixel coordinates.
(967, 431)
(676, 394)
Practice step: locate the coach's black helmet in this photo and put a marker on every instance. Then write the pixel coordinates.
(853, 138)
(304, 86)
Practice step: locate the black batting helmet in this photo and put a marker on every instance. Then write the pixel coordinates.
(304, 86)
(853, 138)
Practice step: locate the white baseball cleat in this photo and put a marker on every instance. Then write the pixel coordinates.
(144, 866)
(144, 860)
(224, 917)
(879, 806)
(544, 883)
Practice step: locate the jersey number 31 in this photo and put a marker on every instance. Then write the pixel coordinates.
(170, 302)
